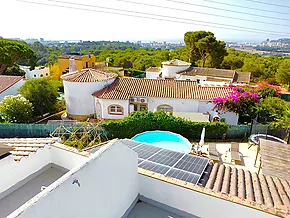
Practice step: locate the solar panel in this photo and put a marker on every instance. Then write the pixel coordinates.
(182, 175)
(140, 161)
(193, 164)
(166, 157)
(130, 143)
(147, 165)
(145, 151)
(171, 163)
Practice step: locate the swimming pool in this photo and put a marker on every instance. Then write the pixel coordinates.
(164, 139)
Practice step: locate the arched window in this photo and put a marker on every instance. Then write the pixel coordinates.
(116, 109)
(165, 107)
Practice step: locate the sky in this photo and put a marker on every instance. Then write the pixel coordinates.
(86, 20)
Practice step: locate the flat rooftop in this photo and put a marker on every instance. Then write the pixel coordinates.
(31, 188)
(144, 210)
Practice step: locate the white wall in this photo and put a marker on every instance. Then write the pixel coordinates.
(152, 75)
(78, 96)
(230, 117)
(36, 73)
(15, 174)
(170, 71)
(192, 202)
(107, 102)
(12, 174)
(13, 90)
(108, 187)
(179, 105)
(65, 158)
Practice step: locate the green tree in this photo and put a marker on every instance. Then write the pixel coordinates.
(42, 94)
(233, 60)
(16, 109)
(14, 70)
(12, 52)
(283, 74)
(202, 45)
(270, 109)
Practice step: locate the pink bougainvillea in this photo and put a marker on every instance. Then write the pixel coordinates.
(242, 99)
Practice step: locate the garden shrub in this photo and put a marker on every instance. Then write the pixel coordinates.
(141, 121)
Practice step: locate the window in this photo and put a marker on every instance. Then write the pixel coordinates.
(165, 107)
(41, 75)
(143, 107)
(34, 75)
(47, 74)
(115, 110)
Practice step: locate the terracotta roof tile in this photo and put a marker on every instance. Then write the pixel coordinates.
(123, 88)
(23, 147)
(7, 81)
(88, 75)
(262, 189)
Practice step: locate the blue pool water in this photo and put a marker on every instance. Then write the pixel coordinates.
(165, 139)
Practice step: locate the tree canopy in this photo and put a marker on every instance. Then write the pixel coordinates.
(204, 45)
(42, 93)
(12, 52)
(283, 74)
(16, 109)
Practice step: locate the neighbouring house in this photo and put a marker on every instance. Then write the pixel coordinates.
(153, 73)
(38, 72)
(80, 62)
(180, 70)
(125, 178)
(93, 93)
(9, 85)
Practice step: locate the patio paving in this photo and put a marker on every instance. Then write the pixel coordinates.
(248, 155)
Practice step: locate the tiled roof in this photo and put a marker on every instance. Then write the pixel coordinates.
(241, 77)
(7, 81)
(153, 69)
(176, 63)
(262, 189)
(123, 88)
(88, 75)
(23, 147)
(76, 57)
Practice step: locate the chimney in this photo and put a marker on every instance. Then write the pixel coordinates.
(72, 65)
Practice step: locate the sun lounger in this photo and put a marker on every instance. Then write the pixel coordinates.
(235, 153)
(212, 153)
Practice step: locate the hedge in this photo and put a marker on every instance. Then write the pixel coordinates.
(138, 122)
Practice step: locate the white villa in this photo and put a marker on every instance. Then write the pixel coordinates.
(42, 178)
(93, 93)
(38, 72)
(180, 70)
(9, 85)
